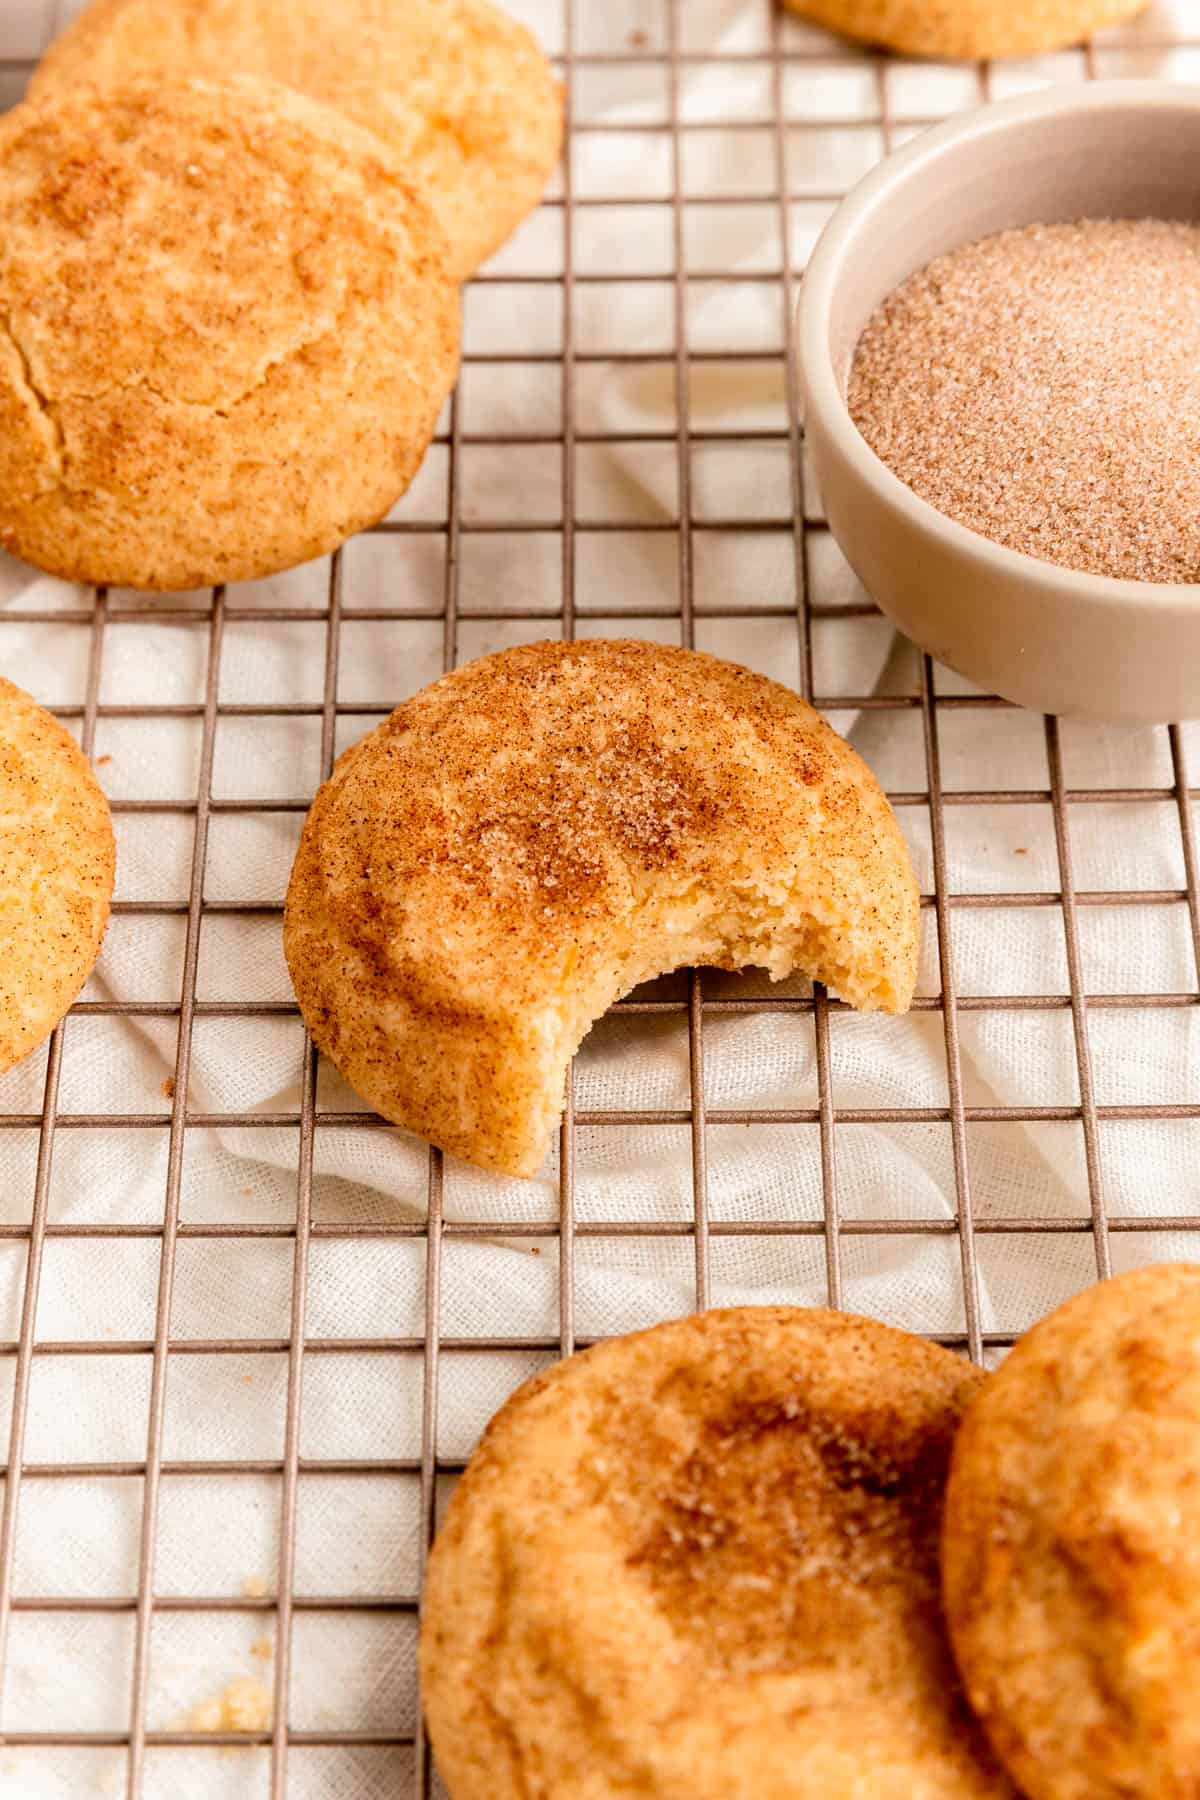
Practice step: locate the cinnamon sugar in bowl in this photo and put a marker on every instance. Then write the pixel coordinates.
(999, 339)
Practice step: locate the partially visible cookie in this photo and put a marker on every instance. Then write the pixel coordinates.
(1071, 1552)
(226, 332)
(57, 859)
(461, 93)
(700, 1563)
(969, 28)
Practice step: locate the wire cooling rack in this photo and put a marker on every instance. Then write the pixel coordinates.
(566, 270)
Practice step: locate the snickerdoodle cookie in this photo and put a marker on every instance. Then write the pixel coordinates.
(1071, 1553)
(530, 837)
(460, 91)
(226, 332)
(969, 28)
(700, 1563)
(57, 859)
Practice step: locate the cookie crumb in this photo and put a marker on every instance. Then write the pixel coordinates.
(206, 1716)
(263, 1648)
(254, 1587)
(245, 1705)
(168, 1088)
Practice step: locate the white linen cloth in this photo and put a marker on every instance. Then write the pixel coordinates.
(219, 1536)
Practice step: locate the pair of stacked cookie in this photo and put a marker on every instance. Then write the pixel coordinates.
(772, 1554)
(233, 234)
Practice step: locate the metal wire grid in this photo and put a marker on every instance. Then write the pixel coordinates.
(267, 1753)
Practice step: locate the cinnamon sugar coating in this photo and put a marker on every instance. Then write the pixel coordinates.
(226, 332)
(1042, 386)
(57, 863)
(700, 1563)
(460, 92)
(526, 840)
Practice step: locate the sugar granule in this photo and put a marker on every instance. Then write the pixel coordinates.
(1042, 387)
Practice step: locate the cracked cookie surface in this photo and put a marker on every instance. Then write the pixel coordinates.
(226, 332)
(700, 1563)
(458, 90)
(57, 860)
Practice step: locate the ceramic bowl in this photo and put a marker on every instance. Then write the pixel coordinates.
(1045, 636)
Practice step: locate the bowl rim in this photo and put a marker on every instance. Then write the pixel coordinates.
(852, 220)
